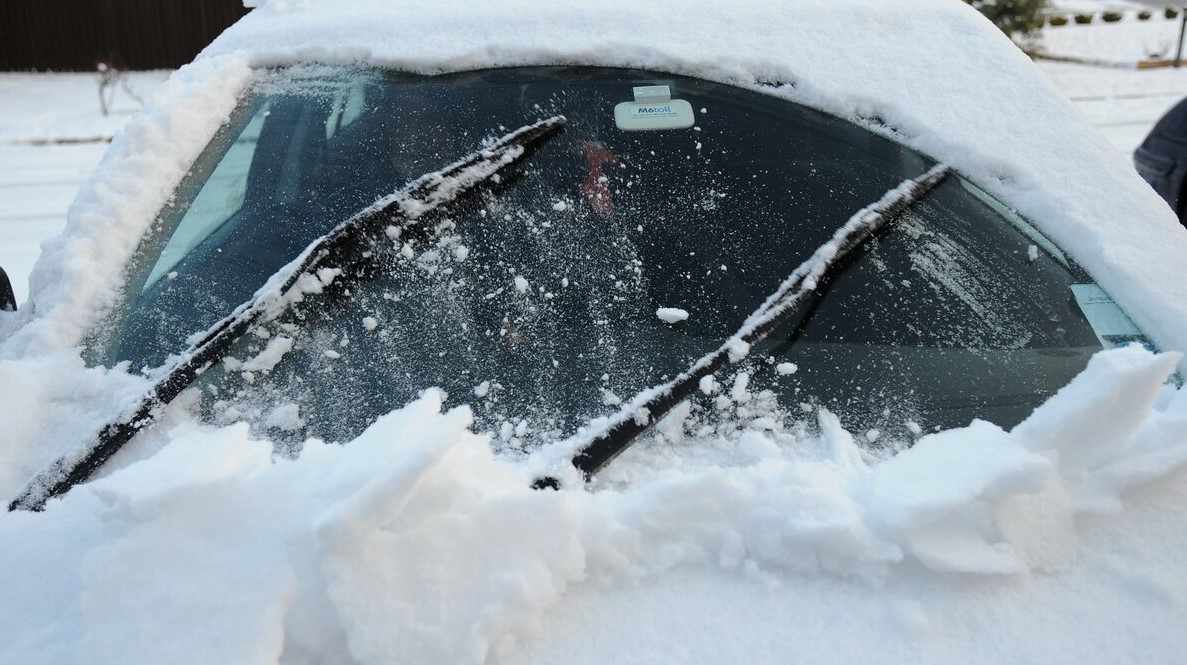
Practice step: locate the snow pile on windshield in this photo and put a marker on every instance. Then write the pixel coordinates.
(415, 543)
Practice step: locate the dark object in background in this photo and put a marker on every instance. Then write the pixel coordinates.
(1161, 159)
(133, 35)
(7, 297)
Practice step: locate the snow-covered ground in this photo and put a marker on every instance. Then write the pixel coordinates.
(1122, 44)
(1097, 6)
(37, 183)
(1122, 103)
(52, 135)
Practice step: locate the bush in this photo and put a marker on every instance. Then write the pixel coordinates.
(1144, 15)
(1013, 17)
(1083, 19)
(1058, 19)
(1112, 17)
(1170, 13)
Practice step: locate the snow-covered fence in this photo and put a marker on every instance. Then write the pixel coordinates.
(76, 35)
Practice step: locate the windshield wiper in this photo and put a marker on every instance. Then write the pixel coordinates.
(598, 446)
(406, 210)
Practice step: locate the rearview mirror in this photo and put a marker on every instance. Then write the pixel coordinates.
(7, 297)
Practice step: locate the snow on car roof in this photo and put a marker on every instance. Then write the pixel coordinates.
(932, 73)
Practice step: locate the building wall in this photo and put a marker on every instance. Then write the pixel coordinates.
(76, 35)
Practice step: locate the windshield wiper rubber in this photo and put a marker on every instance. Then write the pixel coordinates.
(405, 210)
(597, 447)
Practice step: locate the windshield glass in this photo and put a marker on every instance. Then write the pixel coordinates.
(619, 254)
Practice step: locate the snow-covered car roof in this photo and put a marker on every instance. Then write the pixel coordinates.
(415, 542)
(932, 74)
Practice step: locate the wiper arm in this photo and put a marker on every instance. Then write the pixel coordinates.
(406, 210)
(597, 448)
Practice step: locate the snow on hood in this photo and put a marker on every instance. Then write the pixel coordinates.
(415, 543)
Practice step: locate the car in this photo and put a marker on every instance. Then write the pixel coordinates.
(475, 333)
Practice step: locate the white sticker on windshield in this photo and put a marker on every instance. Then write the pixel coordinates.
(1112, 327)
(653, 109)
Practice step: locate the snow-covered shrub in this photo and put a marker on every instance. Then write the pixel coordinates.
(1013, 17)
(1083, 18)
(1057, 20)
(1170, 12)
(1158, 52)
(1145, 15)
(1112, 16)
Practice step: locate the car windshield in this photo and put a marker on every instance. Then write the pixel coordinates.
(622, 251)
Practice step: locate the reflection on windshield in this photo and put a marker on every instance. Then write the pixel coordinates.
(538, 307)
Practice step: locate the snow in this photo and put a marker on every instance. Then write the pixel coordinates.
(737, 349)
(415, 541)
(1123, 104)
(786, 368)
(1121, 44)
(286, 417)
(671, 314)
(1058, 541)
(52, 135)
(303, 275)
(270, 356)
(74, 281)
(64, 109)
(1099, 6)
(940, 113)
(1114, 98)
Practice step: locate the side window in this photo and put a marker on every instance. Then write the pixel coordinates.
(220, 198)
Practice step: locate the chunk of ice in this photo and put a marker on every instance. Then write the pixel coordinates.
(671, 314)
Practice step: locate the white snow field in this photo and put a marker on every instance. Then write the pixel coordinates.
(37, 183)
(1059, 541)
(52, 135)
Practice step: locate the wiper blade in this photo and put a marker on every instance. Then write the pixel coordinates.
(598, 447)
(405, 210)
